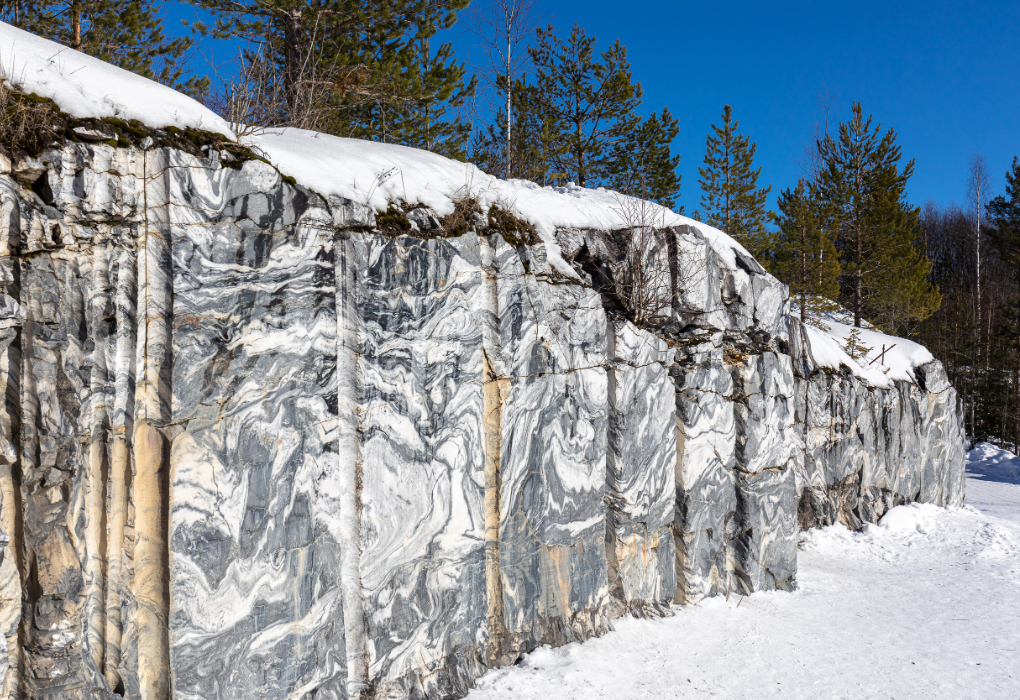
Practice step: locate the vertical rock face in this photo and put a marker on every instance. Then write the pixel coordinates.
(641, 470)
(254, 518)
(422, 573)
(869, 449)
(733, 523)
(252, 447)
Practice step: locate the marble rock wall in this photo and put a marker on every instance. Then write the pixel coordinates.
(869, 449)
(641, 470)
(251, 447)
(727, 326)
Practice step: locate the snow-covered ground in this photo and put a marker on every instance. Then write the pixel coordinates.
(926, 604)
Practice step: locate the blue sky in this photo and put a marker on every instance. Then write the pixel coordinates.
(945, 75)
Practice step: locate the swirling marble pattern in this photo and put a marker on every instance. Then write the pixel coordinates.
(641, 469)
(553, 466)
(868, 449)
(422, 562)
(396, 462)
(706, 494)
(254, 575)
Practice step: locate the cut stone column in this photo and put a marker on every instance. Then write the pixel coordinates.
(152, 409)
(11, 321)
(424, 493)
(765, 527)
(348, 349)
(705, 490)
(641, 461)
(553, 459)
(151, 565)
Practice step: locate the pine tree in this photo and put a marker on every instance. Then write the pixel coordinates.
(885, 275)
(804, 255)
(128, 34)
(1004, 211)
(588, 103)
(732, 200)
(435, 86)
(352, 67)
(643, 164)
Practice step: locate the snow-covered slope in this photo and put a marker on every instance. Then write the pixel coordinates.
(993, 481)
(86, 87)
(376, 174)
(900, 359)
(363, 171)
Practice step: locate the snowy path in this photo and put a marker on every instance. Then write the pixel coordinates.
(924, 605)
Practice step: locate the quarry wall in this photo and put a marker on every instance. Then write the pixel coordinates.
(252, 445)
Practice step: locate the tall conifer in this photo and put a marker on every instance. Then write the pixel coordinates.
(428, 87)
(588, 101)
(643, 163)
(532, 140)
(364, 68)
(885, 274)
(731, 197)
(804, 255)
(1004, 211)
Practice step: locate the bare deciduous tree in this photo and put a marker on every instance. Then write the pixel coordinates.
(652, 273)
(811, 161)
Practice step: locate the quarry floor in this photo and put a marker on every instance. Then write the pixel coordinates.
(926, 604)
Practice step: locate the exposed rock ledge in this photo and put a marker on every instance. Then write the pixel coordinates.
(253, 449)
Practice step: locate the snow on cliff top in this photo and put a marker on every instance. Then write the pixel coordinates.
(363, 171)
(378, 173)
(901, 357)
(86, 87)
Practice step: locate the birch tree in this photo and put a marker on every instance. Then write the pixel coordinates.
(978, 185)
(502, 28)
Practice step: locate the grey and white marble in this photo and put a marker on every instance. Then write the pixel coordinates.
(395, 462)
(868, 449)
(254, 577)
(641, 462)
(422, 526)
(553, 457)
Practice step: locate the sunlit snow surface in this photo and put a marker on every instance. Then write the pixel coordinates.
(363, 171)
(86, 87)
(926, 604)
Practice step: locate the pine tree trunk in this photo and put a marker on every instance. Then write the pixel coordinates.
(292, 62)
(1016, 427)
(858, 276)
(76, 25)
(977, 325)
(803, 274)
(427, 47)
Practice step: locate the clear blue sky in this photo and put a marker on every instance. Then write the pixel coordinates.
(945, 75)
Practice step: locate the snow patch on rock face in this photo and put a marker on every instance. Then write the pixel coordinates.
(88, 88)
